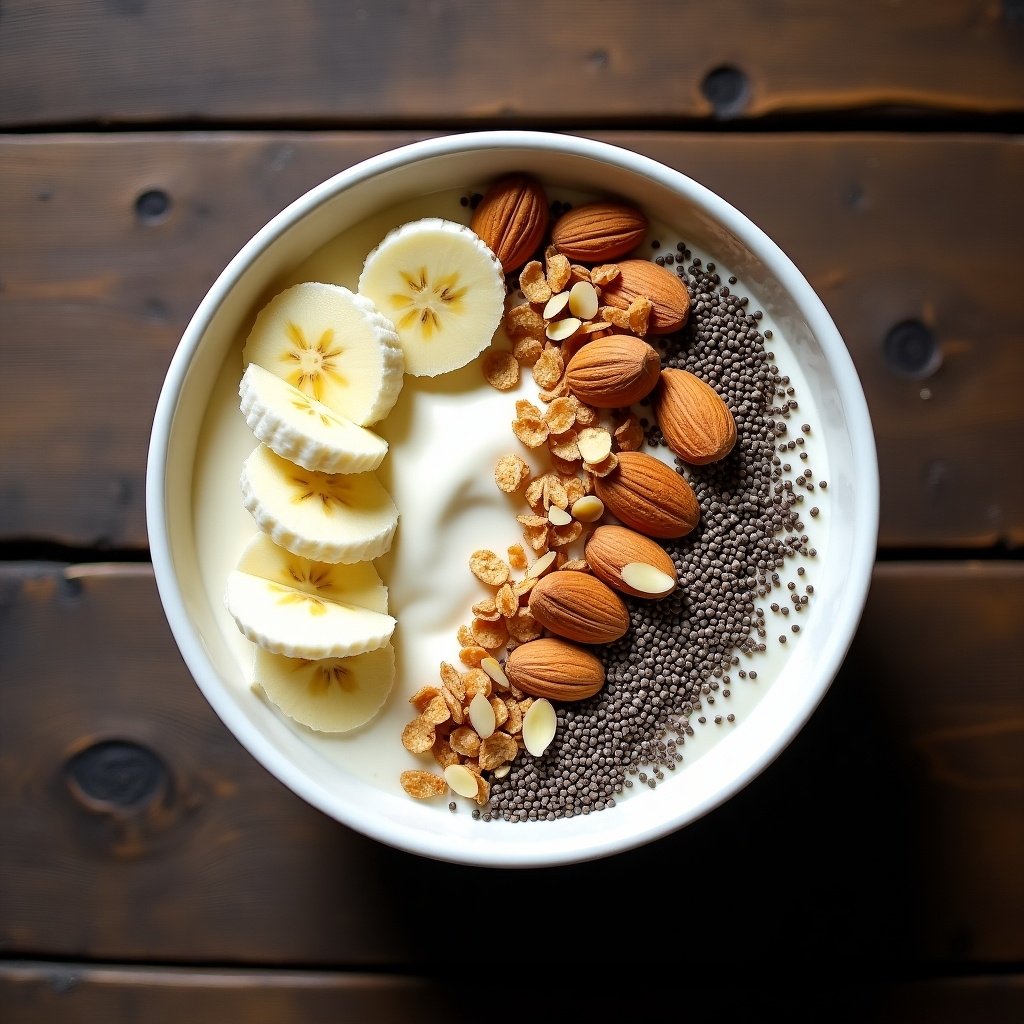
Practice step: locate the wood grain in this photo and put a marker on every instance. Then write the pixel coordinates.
(888, 229)
(41, 993)
(890, 829)
(392, 62)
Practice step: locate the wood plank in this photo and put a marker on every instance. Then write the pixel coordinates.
(530, 62)
(890, 830)
(40, 993)
(82, 276)
(31, 993)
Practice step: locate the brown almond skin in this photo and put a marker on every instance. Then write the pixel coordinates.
(599, 232)
(613, 372)
(512, 219)
(579, 607)
(611, 547)
(693, 417)
(666, 291)
(555, 669)
(645, 494)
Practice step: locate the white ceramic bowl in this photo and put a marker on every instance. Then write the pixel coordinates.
(842, 426)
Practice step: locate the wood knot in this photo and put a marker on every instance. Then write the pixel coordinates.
(152, 206)
(727, 89)
(116, 775)
(911, 350)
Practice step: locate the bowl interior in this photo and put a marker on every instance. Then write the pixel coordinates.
(775, 286)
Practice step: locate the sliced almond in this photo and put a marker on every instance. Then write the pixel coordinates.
(554, 306)
(493, 668)
(588, 509)
(541, 566)
(559, 330)
(461, 780)
(583, 301)
(646, 578)
(595, 444)
(502, 770)
(481, 716)
(539, 726)
(558, 516)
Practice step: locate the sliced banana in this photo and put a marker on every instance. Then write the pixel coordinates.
(298, 624)
(357, 584)
(332, 345)
(303, 430)
(332, 695)
(443, 289)
(328, 517)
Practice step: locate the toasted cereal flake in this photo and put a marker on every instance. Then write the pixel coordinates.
(523, 321)
(560, 390)
(486, 609)
(639, 314)
(436, 711)
(514, 722)
(561, 415)
(565, 466)
(547, 371)
(526, 409)
(532, 431)
(483, 790)
(554, 492)
(577, 272)
(452, 678)
(586, 415)
(497, 749)
(506, 602)
(535, 496)
(488, 568)
(629, 434)
(572, 345)
(517, 557)
(454, 705)
(476, 680)
(558, 516)
(604, 274)
(421, 785)
(481, 716)
(500, 710)
(472, 656)
(465, 741)
(533, 283)
(527, 351)
(524, 586)
(443, 753)
(573, 489)
(530, 521)
(595, 443)
(537, 538)
(564, 446)
(461, 780)
(539, 726)
(605, 467)
(464, 636)
(423, 696)
(418, 736)
(523, 626)
(616, 317)
(562, 536)
(576, 565)
(588, 508)
(491, 635)
(500, 369)
(559, 271)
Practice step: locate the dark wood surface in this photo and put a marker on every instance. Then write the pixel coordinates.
(151, 870)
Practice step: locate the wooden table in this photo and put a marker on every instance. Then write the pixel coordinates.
(151, 871)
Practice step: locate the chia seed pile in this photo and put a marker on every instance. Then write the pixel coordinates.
(677, 661)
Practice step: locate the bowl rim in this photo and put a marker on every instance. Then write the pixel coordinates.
(866, 497)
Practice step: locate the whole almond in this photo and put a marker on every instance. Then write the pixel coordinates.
(599, 232)
(611, 548)
(693, 417)
(555, 669)
(665, 290)
(644, 493)
(613, 372)
(579, 607)
(512, 219)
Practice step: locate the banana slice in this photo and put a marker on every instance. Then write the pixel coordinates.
(328, 517)
(298, 624)
(303, 430)
(333, 695)
(357, 584)
(442, 288)
(332, 345)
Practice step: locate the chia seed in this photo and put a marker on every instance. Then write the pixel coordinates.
(665, 667)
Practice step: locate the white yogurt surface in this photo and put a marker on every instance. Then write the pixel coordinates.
(445, 436)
